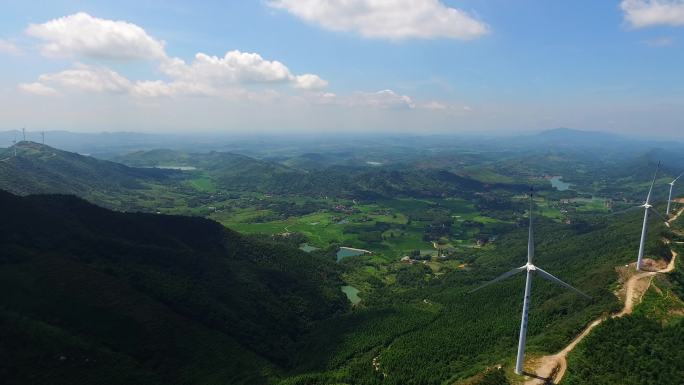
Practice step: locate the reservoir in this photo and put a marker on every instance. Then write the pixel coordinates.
(345, 252)
(558, 184)
(352, 294)
(307, 248)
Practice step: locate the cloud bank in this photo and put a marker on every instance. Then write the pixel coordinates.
(199, 92)
(388, 19)
(229, 76)
(84, 36)
(650, 13)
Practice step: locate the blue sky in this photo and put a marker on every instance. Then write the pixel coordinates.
(494, 65)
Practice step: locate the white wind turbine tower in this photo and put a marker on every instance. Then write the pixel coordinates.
(530, 270)
(648, 208)
(669, 198)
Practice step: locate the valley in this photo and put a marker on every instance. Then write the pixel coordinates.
(342, 192)
(396, 248)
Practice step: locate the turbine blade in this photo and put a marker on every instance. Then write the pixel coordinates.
(551, 278)
(530, 234)
(624, 211)
(677, 178)
(657, 213)
(650, 190)
(502, 277)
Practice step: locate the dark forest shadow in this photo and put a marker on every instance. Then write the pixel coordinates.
(547, 381)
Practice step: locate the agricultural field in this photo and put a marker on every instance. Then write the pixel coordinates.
(391, 228)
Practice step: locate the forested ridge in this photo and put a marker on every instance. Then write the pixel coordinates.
(94, 296)
(429, 330)
(234, 172)
(643, 348)
(111, 297)
(37, 168)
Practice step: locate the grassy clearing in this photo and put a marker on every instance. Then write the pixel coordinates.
(328, 226)
(203, 183)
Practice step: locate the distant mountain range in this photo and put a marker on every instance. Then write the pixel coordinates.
(241, 173)
(142, 175)
(136, 178)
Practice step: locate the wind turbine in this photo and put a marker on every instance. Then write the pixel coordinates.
(530, 270)
(669, 198)
(644, 229)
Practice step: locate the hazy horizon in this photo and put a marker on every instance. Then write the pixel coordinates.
(36, 135)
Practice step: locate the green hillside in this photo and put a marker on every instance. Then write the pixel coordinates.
(234, 172)
(37, 168)
(642, 348)
(426, 329)
(165, 299)
(98, 297)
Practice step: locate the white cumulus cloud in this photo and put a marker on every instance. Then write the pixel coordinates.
(158, 88)
(37, 89)
(385, 99)
(434, 105)
(89, 79)
(233, 67)
(236, 68)
(7, 47)
(387, 19)
(648, 13)
(309, 82)
(83, 35)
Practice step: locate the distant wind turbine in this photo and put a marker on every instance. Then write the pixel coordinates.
(669, 198)
(530, 270)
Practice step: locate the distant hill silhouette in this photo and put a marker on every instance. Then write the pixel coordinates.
(38, 168)
(238, 172)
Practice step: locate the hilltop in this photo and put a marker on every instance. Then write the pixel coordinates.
(38, 168)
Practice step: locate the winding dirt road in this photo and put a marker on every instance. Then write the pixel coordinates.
(551, 369)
